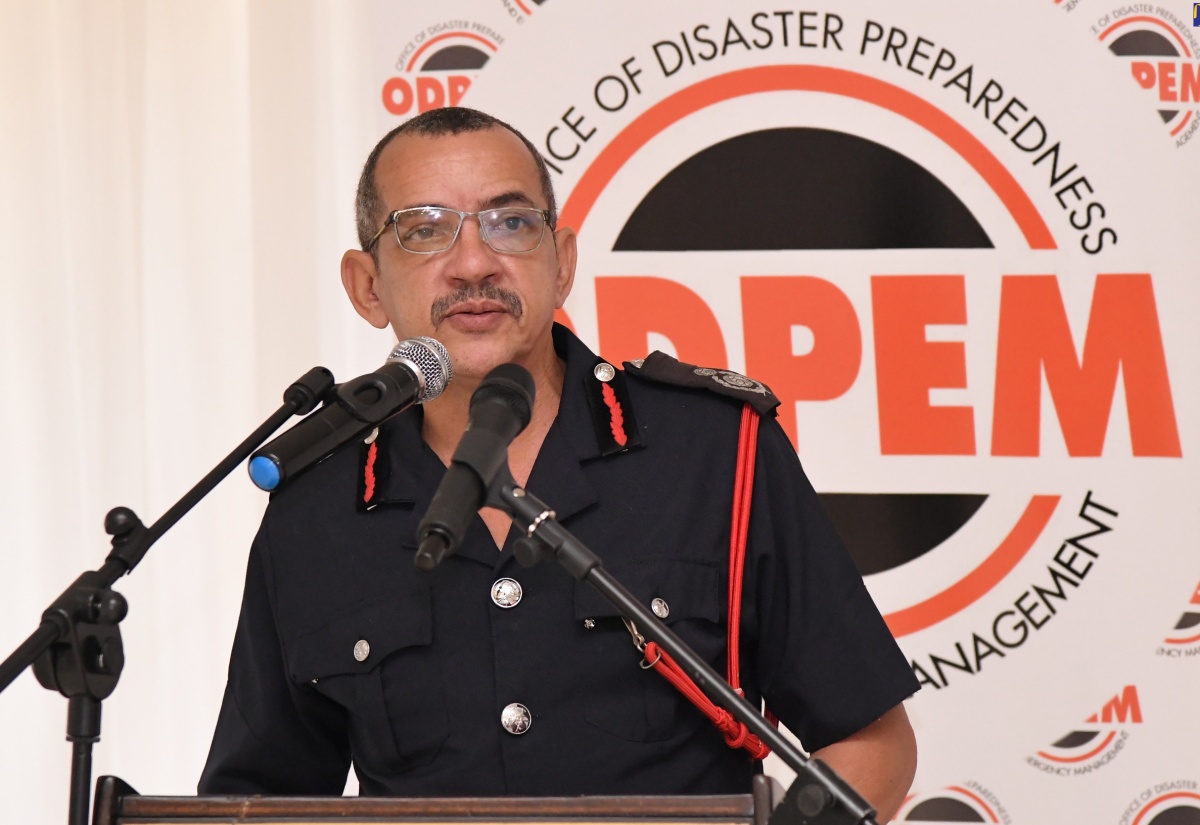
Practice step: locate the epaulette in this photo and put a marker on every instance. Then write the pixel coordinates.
(658, 366)
(612, 410)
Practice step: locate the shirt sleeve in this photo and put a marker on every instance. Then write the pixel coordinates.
(826, 661)
(273, 736)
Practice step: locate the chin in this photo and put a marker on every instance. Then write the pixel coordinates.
(477, 361)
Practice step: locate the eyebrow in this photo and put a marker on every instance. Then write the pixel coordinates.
(508, 199)
(515, 196)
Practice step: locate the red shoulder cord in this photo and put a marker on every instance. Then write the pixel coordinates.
(736, 734)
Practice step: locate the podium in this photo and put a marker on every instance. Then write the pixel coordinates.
(118, 804)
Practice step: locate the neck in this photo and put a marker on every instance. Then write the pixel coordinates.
(446, 416)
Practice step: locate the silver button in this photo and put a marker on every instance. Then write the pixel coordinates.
(588, 624)
(604, 372)
(515, 718)
(660, 608)
(637, 362)
(506, 592)
(362, 649)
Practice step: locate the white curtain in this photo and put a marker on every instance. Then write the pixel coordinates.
(172, 213)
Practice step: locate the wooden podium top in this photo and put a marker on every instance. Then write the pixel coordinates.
(118, 804)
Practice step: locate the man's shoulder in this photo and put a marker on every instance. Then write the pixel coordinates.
(703, 406)
(660, 374)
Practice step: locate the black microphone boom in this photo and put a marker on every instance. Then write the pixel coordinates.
(500, 409)
(417, 370)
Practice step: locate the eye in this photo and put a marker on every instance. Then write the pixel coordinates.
(422, 231)
(513, 221)
(423, 226)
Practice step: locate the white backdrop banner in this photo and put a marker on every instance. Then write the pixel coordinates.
(953, 242)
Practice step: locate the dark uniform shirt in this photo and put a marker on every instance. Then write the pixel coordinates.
(345, 651)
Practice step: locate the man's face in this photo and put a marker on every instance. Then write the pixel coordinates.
(487, 307)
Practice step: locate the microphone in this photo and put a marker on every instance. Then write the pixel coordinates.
(417, 370)
(500, 409)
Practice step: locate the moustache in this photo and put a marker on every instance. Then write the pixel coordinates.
(489, 292)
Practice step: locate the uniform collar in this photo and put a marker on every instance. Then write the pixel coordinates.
(409, 461)
(413, 470)
(574, 411)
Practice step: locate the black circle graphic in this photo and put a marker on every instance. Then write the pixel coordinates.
(943, 809)
(455, 58)
(1185, 814)
(800, 188)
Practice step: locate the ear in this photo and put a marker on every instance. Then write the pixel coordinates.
(565, 249)
(358, 277)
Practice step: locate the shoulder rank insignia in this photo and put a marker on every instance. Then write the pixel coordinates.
(658, 366)
(612, 411)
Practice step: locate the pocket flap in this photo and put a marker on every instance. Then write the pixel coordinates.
(691, 590)
(385, 626)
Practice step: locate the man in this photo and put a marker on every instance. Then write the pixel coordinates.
(483, 678)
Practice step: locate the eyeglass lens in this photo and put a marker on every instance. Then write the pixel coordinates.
(428, 229)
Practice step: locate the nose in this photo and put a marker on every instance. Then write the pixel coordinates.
(472, 260)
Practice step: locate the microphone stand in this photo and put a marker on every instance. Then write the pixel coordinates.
(77, 648)
(818, 796)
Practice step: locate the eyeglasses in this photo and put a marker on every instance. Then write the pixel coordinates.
(429, 229)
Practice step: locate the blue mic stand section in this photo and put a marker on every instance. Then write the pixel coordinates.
(264, 473)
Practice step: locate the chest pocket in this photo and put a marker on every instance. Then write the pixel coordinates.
(623, 699)
(377, 663)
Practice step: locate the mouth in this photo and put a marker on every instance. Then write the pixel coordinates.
(476, 308)
(475, 315)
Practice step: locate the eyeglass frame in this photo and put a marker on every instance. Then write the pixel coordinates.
(462, 218)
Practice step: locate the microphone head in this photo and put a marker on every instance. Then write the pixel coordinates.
(510, 384)
(429, 360)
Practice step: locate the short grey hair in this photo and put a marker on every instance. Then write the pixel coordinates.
(451, 120)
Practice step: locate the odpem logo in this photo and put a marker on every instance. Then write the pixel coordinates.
(1168, 803)
(804, 190)
(968, 802)
(1094, 744)
(519, 10)
(1028, 612)
(1185, 640)
(1164, 59)
(437, 66)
